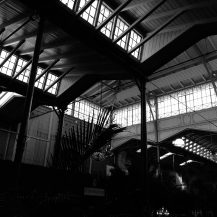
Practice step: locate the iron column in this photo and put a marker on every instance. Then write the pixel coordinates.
(21, 141)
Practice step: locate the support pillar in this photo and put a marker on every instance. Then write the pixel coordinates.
(154, 114)
(29, 96)
(144, 163)
(60, 113)
(156, 127)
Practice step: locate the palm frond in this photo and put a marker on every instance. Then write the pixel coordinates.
(81, 141)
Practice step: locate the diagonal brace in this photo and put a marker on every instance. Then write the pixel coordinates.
(59, 78)
(24, 67)
(12, 53)
(46, 70)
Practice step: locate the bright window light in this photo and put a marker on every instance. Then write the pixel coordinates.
(186, 162)
(90, 12)
(139, 150)
(166, 155)
(179, 143)
(5, 96)
(50, 79)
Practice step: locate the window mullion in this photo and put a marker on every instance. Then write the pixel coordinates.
(128, 40)
(113, 27)
(58, 85)
(97, 13)
(45, 80)
(140, 52)
(15, 66)
(76, 5)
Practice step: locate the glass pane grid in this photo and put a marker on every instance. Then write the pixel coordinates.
(85, 110)
(132, 115)
(68, 3)
(135, 38)
(120, 27)
(104, 13)
(24, 76)
(90, 12)
(8, 67)
(50, 79)
(189, 100)
(40, 82)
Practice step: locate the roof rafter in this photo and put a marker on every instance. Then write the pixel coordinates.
(178, 45)
(76, 89)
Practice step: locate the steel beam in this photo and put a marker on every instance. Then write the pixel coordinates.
(156, 128)
(113, 14)
(156, 31)
(59, 79)
(57, 145)
(21, 141)
(144, 148)
(12, 53)
(139, 20)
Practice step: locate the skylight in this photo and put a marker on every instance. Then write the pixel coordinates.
(20, 69)
(97, 13)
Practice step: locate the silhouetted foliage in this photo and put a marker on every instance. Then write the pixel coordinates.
(86, 138)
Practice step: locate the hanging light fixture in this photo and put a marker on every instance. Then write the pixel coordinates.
(179, 143)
